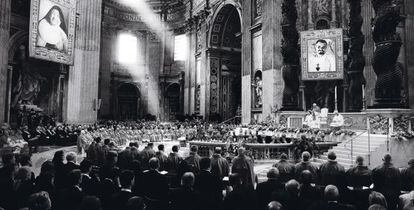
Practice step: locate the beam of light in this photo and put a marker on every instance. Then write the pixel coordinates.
(164, 34)
(127, 49)
(130, 56)
(180, 47)
(151, 19)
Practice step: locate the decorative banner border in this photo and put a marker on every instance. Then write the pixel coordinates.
(334, 35)
(64, 56)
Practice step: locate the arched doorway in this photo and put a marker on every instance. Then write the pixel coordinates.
(128, 100)
(173, 101)
(225, 64)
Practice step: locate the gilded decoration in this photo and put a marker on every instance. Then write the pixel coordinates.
(378, 124)
(213, 86)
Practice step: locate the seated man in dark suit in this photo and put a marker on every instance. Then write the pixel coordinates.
(120, 198)
(309, 190)
(241, 197)
(71, 197)
(290, 198)
(155, 185)
(71, 162)
(89, 185)
(331, 201)
(265, 189)
(185, 197)
(209, 187)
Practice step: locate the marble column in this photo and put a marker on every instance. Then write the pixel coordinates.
(272, 61)
(5, 6)
(83, 81)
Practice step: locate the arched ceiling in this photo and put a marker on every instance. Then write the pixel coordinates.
(226, 28)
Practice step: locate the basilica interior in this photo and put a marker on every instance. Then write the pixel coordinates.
(181, 58)
(268, 76)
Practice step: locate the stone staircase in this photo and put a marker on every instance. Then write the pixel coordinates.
(360, 148)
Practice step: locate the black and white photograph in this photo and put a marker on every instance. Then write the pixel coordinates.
(206, 105)
(322, 54)
(52, 30)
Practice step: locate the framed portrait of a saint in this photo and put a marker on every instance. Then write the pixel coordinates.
(52, 30)
(322, 54)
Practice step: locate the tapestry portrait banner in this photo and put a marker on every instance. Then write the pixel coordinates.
(322, 54)
(52, 30)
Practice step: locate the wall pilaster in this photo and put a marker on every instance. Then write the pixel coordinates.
(83, 81)
(272, 60)
(5, 13)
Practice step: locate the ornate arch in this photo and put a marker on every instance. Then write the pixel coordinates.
(15, 41)
(218, 21)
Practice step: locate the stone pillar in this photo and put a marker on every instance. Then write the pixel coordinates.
(108, 37)
(83, 81)
(153, 94)
(333, 15)
(5, 13)
(187, 76)
(409, 42)
(310, 19)
(272, 61)
(246, 102)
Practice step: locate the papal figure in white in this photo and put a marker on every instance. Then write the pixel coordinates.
(52, 30)
(321, 61)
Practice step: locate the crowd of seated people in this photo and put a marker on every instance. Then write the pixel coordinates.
(123, 132)
(110, 179)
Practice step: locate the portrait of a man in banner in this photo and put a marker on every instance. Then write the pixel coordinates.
(322, 54)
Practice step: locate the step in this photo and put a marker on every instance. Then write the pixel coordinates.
(346, 152)
(364, 143)
(357, 149)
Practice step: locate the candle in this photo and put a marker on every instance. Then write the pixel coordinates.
(363, 92)
(336, 93)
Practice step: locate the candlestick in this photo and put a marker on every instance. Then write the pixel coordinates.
(336, 97)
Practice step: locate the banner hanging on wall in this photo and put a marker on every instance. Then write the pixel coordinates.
(322, 54)
(52, 30)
